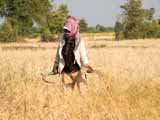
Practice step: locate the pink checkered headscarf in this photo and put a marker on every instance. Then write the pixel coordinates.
(72, 25)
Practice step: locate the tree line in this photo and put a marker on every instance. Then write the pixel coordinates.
(32, 18)
(136, 22)
(93, 29)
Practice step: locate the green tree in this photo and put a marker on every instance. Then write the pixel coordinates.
(55, 23)
(21, 14)
(119, 28)
(92, 30)
(100, 28)
(151, 13)
(137, 22)
(83, 25)
(56, 19)
(134, 17)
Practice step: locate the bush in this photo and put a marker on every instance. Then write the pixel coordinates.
(119, 28)
(158, 32)
(47, 36)
(7, 33)
(151, 29)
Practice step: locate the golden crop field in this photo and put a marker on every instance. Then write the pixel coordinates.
(98, 36)
(129, 88)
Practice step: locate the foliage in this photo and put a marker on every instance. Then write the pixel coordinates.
(134, 16)
(55, 23)
(56, 19)
(137, 22)
(151, 29)
(99, 28)
(22, 15)
(119, 28)
(7, 33)
(92, 30)
(83, 25)
(47, 36)
(149, 13)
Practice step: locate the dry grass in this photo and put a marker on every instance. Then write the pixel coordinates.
(98, 36)
(129, 90)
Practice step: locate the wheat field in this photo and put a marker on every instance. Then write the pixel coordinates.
(129, 87)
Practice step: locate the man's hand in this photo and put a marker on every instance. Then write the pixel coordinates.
(89, 68)
(54, 70)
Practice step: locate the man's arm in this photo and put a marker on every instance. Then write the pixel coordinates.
(84, 58)
(83, 54)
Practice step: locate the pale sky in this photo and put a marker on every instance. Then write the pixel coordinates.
(102, 12)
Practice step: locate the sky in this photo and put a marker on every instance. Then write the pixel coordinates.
(102, 12)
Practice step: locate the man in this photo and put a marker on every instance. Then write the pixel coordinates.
(71, 54)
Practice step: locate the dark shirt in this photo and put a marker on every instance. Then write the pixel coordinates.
(69, 58)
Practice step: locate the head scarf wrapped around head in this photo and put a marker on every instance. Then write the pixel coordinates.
(72, 26)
